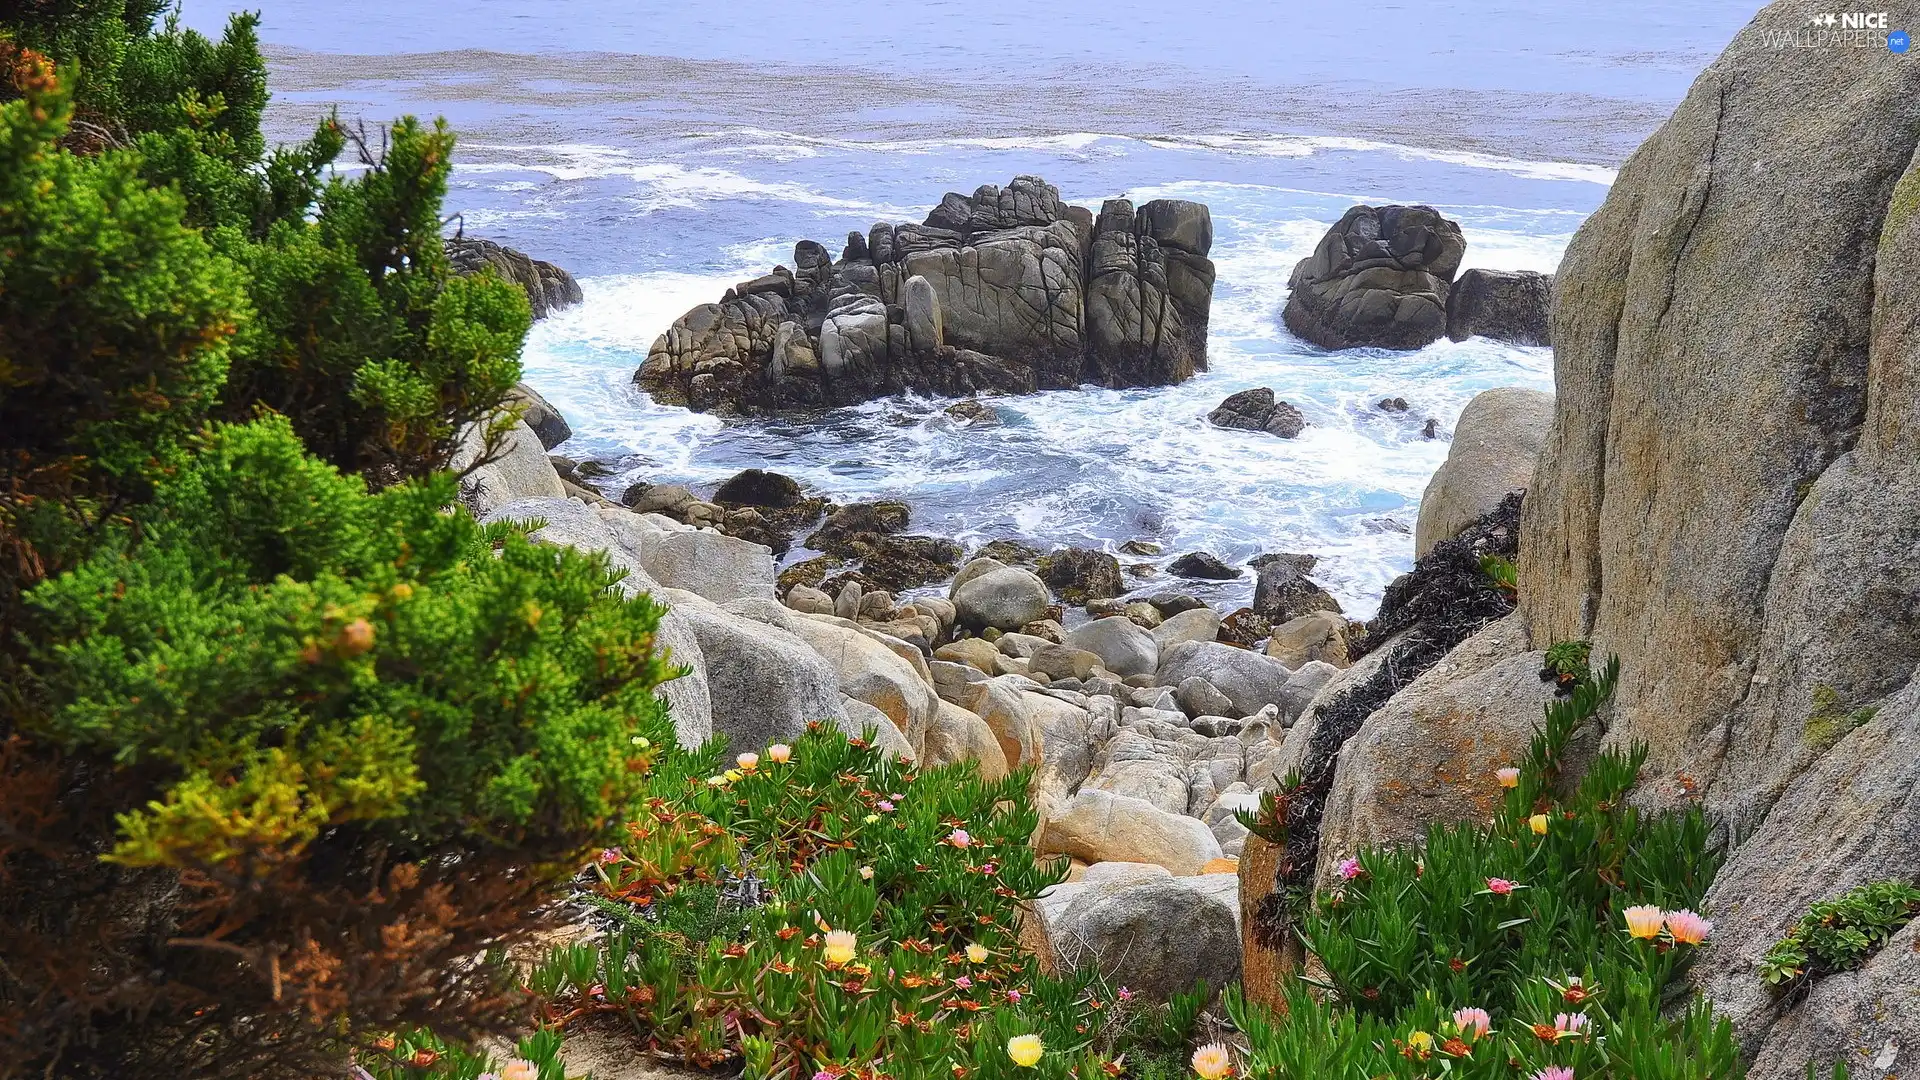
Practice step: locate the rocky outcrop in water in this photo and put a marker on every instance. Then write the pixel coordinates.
(1258, 410)
(548, 287)
(1008, 290)
(1515, 306)
(1379, 278)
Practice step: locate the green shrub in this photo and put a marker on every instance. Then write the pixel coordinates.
(1839, 934)
(1567, 922)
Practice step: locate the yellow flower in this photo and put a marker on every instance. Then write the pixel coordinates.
(1025, 1050)
(1509, 777)
(1538, 823)
(641, 741)
(747, 762)
(977, 953)
(871, 818)
(840, 946)
(716, 781)
(1645, 921)
(1421, 1041)
(780, 752)
(1212, 1061)
(731, 775)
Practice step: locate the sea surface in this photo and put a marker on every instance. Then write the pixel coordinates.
(664, 151)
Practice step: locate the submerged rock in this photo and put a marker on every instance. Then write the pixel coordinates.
(1007, 290)
(1201, 564)
(1379, 278)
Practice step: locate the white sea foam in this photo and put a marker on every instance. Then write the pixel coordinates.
(658, 185)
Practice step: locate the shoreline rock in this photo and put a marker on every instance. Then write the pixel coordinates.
(548, 287)
(1379, 278)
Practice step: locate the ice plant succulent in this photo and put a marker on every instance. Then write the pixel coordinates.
(520, 1069)
(1472, 1023)
(1509, 777)
(780, 753)
(977, 953)
(839, 946)
(1644, 920)
(1569, 1025)
(1500, 886)
(1554, 1072)
(747, 762)
(959, 838)
(1349, 869)
(1025, 1050)
(1212, 1061)
(1538, 823)
(1688, 928)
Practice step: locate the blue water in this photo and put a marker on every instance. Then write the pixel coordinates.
(663, 152)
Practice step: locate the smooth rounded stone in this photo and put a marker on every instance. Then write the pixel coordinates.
(920, 631)
(1068, 683)
(718, 567)
(869, 722)
(1078, 575)
(1008, 665)
(1249, 679)
(1156, 936)
(1495, 447)
(938, 607)
(1098, 826)
(1022, 646)
(1282, 591)
(1204, 565)
(926, 330)
(765, 684)
(1198, 697)
(758, 487)
(810, 599)
(669, 499)
(1105, 687)
(1378, 278)
(973, 652)
(1003, 597)
(951, 680)
(539, 414)
(1049, 629)
(1514, 306)
(847, 604)
(1257, 410)
(1143, 614)
(1317, 635)
(877, 669)
(958, 735)
(1194, 624)
(1173, 603)
(1143, 680)
(1105, 608)
(1123, 647)
(1064, 662)
(1305, 683)
(1216, 726)
(519, 470)
(876, 605)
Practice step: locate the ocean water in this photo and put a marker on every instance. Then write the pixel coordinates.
(663, 152)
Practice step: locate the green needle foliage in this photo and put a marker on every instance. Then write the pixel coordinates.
(284, 744)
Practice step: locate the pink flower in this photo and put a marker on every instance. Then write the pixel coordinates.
(1509, 777)
(988, 868)
(885, 805)
(1570, 1023)
(1125, 994)
(1688, 928)
(1499, 886)
(963, 983)
(823, 1075)
(1472, 1023)
(1554, 1072)
(959, 838)
(1349, 869)
(1013, 997)
(611, 854)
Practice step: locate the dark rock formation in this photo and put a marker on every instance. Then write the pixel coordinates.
(1282, 590)
(1379, 278)
(1514, 306)
(540, 415)
(868, 533)
(1008, 290)
(1077, 575)
(1201, 564)
(1256, 410)
(757, 487)
(1448, 597)
(548, 287)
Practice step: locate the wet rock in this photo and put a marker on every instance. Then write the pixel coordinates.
(1077, 575)
(539, 414)
(1379, 278)
(1201, 564)
(1257, 410)
(974, 413)
(1010, 552)
(548, 287)
(757, 487)
(1515, 306)
(1283, 592)
(1172, 603)
(1139, 547)
(1246, 628)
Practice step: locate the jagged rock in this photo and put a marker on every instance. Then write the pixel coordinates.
(1495, 447)
(974, 412)
(1201, 564)
(1077, 575)
(1008, 290)
(1379, 278)
(540, 415)
(1317, 635)
(1010, 552)
(1246, 628)
(1121, 644)
(1248, 679)
(548, 287)
(1256, 410)
(989, 594)
(1282, 592)
(1514, 306)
